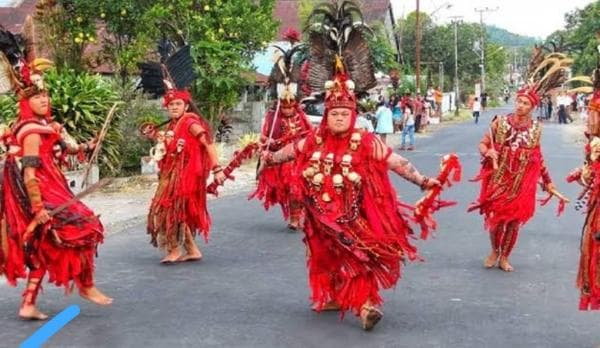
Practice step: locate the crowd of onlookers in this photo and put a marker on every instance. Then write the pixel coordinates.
(561, 106)
(405, 113)
(409, 114)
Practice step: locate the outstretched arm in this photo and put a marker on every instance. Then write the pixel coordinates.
(405, 169)
(286, 154)
(401, 166)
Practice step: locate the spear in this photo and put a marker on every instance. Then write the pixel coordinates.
(98, 147)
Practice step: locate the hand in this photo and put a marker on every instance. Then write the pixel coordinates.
(549, 187)
(265, 156)
(574, 175)
(492, 154)
(432, 183)
(219, 178)
(42, 217)
(92, 144)
(267, 143)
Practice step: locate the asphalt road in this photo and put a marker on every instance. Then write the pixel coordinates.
(251, 288)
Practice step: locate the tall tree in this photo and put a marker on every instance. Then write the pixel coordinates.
(578, 38)
(224, 36)
(438, 46)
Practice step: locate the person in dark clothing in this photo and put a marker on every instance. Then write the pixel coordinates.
(484, 98)
(562, 114)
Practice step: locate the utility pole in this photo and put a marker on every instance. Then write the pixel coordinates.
(455, 20)
(482, 42)
(418, 50)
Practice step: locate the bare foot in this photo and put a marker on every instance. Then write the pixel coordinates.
(191, 249)
(94, 295)
(294, 225)
(369, 317)
(328, 307)
(491, 260)
(195, 255)
(505, 265)
(172, 256)
(30, 312)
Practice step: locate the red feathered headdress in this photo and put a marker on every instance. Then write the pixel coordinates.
(545, 73)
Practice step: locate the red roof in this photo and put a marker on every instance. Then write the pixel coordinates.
(286, 11)
(261, 79)
(12, 18)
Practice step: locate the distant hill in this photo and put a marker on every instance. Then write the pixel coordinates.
(505, 38)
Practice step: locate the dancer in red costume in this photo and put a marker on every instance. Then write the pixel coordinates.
(178, 210)
(63, 245)
(284, 123)
(588, 176)
(513, 166)
(355, 229)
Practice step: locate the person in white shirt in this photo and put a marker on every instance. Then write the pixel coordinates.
(476, 108)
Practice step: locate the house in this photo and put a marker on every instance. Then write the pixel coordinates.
(14, 12)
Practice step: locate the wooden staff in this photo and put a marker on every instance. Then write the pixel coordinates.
(98, 147)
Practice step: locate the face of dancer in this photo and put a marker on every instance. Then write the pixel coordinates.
(287, 111)
(176, 108)
(524, 106)
(40, 103)
(339, 120)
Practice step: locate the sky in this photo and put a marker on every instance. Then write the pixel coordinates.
(536, 18)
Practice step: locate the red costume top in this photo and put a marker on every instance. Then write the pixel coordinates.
(355, 227)
(588, 277)
(181, 194)
(65, 246)
(275, 183)
(508, 193)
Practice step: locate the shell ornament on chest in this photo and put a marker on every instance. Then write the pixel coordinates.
(332, 181)
(521, 137)
(163, 141)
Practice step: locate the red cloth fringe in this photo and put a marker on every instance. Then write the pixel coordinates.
(349, 263)
(181, 195)
(451, 171)
(69, 261)
(496, 201)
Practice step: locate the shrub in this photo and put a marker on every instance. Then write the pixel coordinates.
(81, 102)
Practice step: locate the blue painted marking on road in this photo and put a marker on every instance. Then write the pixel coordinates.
(51, 327)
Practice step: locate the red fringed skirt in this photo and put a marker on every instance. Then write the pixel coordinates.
(351, 265)
(588, 278)
(276, 186)
(65, 247)
(509, 193)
